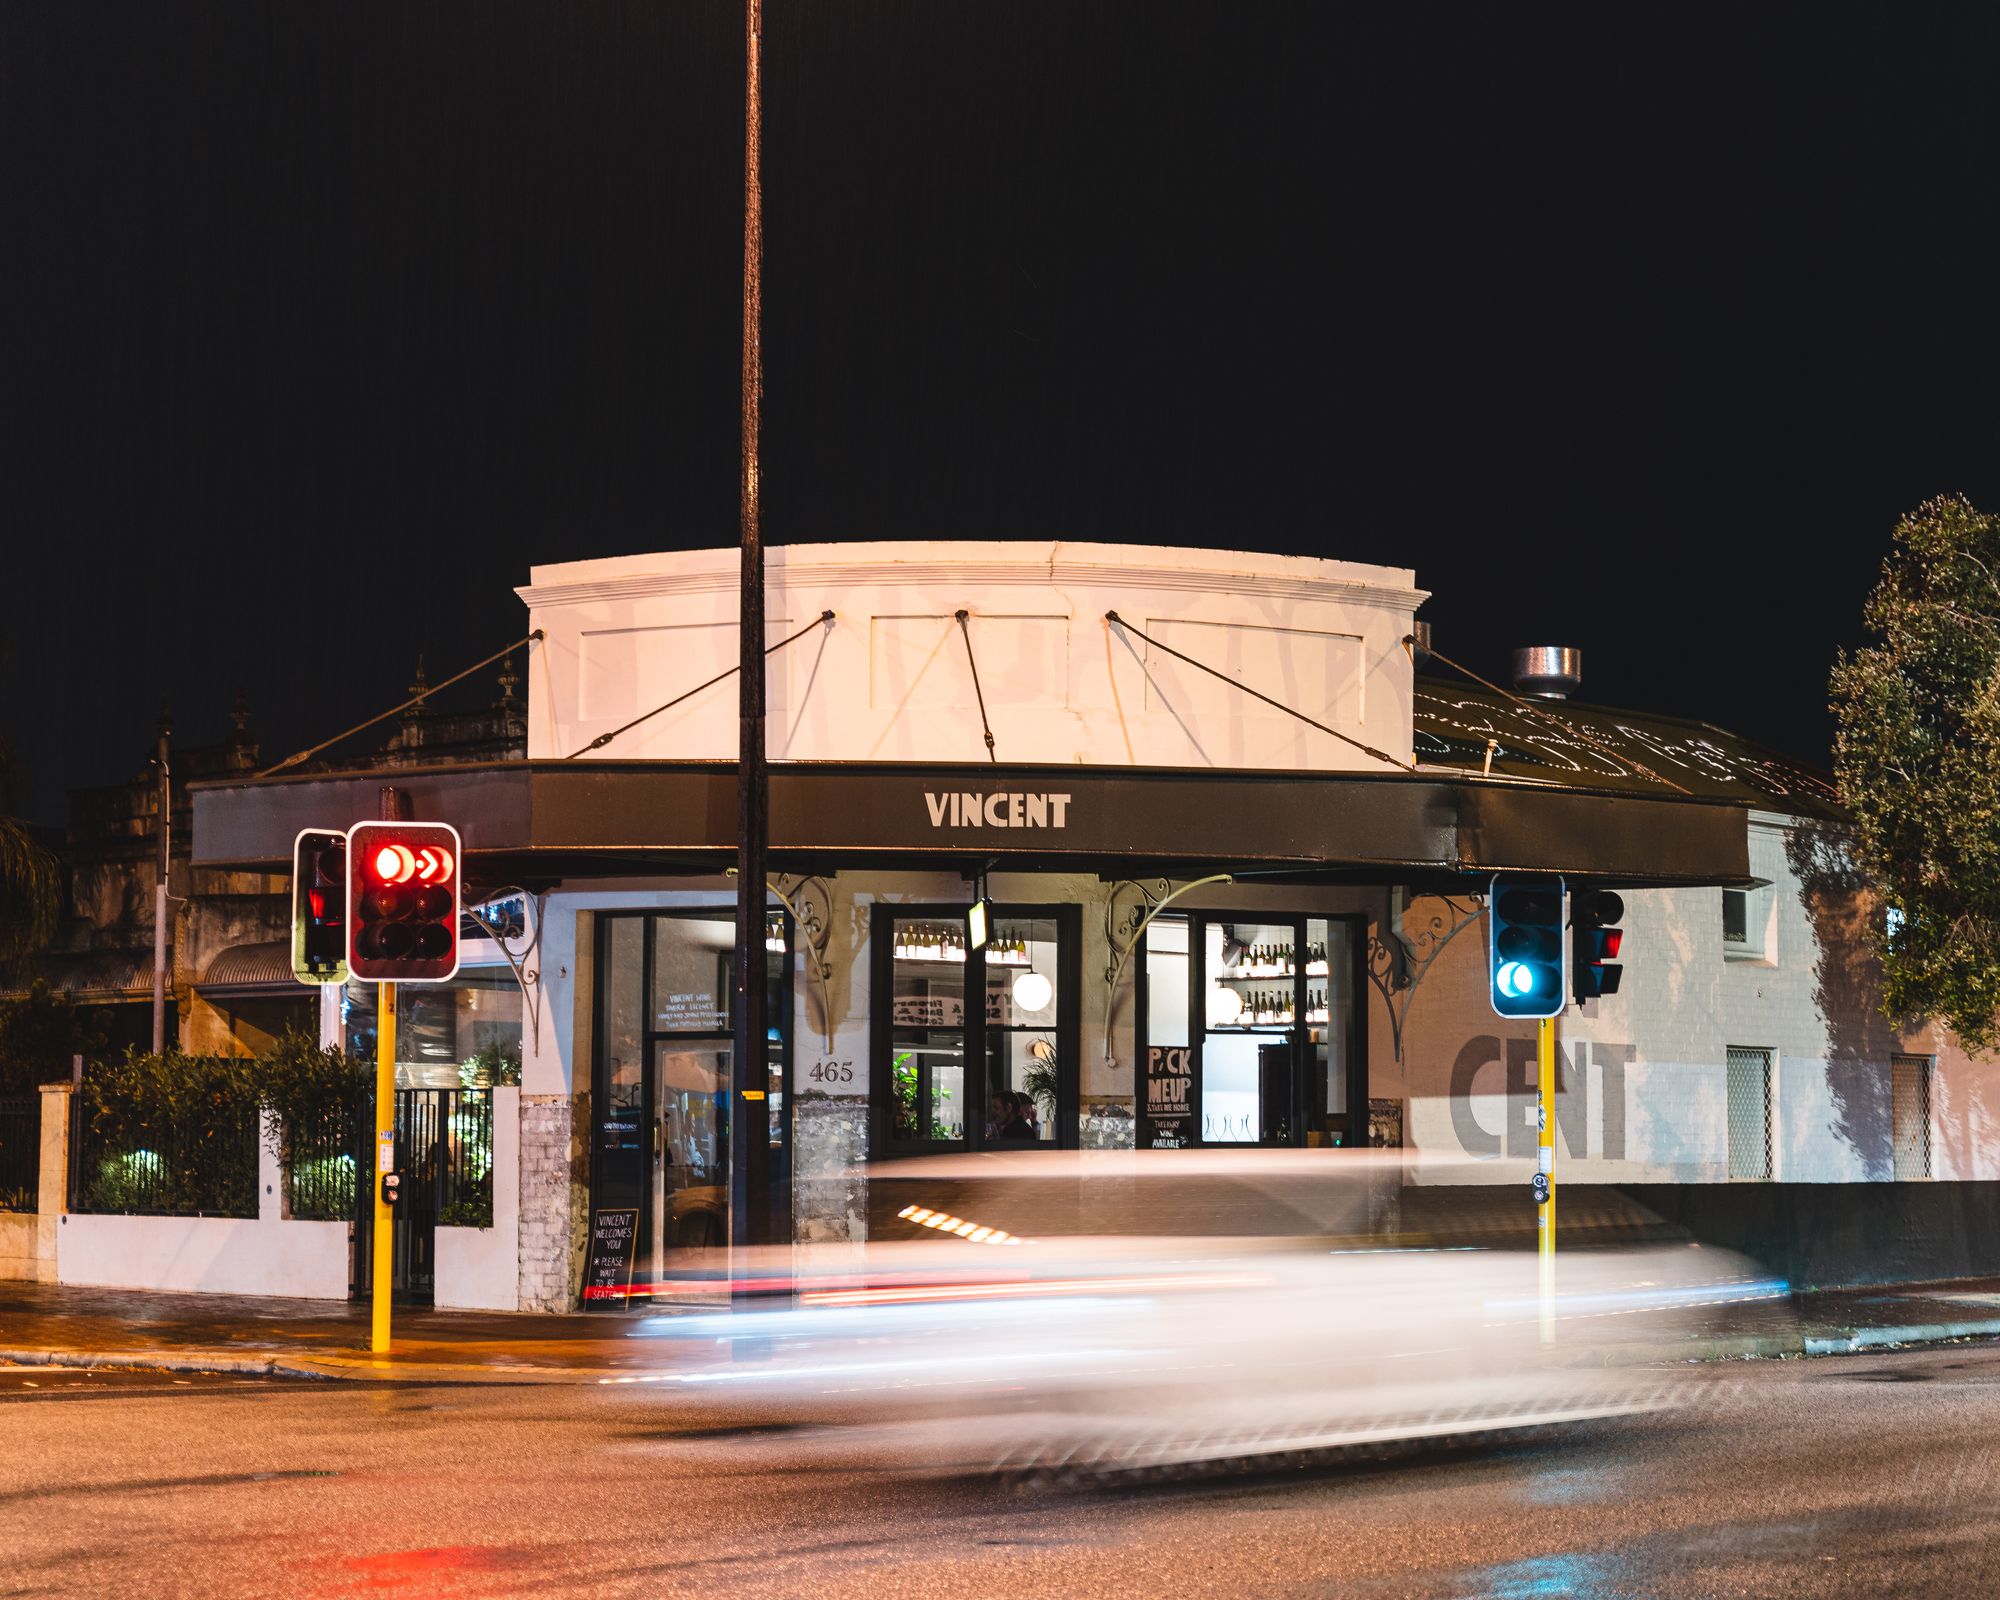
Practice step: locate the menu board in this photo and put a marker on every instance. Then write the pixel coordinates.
(614, 1248)
(1167, 1099)
(927, 1011)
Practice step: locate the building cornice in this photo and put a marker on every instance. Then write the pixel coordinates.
(978, 575)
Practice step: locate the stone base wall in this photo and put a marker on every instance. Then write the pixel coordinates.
(555, 1199)
(829, 1151)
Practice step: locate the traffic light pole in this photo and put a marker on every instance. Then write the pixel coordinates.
(1545, 1164)
(384, 1240)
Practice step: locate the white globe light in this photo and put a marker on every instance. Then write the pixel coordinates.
(1224, 1007)
(1033, 992)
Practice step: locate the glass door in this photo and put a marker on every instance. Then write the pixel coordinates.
(690, 1198)
(662, 1074)
(1251, 1009)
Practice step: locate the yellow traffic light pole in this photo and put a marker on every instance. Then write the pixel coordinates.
(1545, 1166)
(385, 1160)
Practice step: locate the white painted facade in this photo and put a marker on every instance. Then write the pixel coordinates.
(889, 679)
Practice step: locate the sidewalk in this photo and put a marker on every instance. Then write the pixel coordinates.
(44, 1325)
(41, 1324)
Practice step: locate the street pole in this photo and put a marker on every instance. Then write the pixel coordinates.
(160, 889)
(1545, 1161)
(748, 1109)
(384, 1242)
(393, 805)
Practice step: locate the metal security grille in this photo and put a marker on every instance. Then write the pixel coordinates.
(1749, 1113)
(1910, 1116)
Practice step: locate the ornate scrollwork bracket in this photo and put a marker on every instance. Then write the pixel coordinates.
(1397, 968)
(810, 902)
(517, 943)
(1130, 906)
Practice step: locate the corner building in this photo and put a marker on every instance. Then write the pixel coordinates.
(1220, 917)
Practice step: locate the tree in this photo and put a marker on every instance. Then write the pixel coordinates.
(30, 880)
(1917, 761)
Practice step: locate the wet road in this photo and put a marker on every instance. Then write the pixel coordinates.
(1868, 1475)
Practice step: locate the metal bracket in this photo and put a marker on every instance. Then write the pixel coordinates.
(1397, 969)
(810, 901)
(1122, 933)
(528, 940)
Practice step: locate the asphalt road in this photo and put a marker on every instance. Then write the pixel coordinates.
(1869, 1475)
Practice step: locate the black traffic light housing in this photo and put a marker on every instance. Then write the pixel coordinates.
(402, 901)
(319, 906)
(1595, 943)
(1524, 969)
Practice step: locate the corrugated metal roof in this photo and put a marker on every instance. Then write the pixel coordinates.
(262, 965)
(1453, 721)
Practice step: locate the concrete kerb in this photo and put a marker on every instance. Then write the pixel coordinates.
(1915, 1333)
(332, 1368)
(1731, 1347)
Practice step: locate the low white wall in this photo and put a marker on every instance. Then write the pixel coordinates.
(478, 1269)
(205, 1255)
(265, 1255)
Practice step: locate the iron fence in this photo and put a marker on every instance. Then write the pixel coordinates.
(445, 1137)
(199, 1164)
(321, 1163)
(20, 1152)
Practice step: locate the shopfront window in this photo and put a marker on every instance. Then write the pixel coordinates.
(966, 1034)
(1023, 1051)
(1271, 1060)
(464, 1034)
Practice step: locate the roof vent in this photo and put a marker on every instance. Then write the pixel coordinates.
(1548, 671)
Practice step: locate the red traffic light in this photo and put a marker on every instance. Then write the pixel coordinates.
(1594, 944)
(319, 906)
(404, 896)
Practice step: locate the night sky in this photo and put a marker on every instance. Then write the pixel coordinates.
(320, 323)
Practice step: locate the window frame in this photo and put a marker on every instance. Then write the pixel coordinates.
(881, 1031)
(1198, 920)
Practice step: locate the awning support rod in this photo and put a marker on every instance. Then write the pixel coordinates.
(1290, 711)
(985, 726)
(307, 755)
(820, 621)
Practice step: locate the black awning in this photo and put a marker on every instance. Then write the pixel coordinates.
(548, 819)
(1465, 728)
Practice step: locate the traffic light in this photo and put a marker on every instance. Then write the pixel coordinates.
(402, 901)
(1594, 943)
(1525, 971)
(319, 906)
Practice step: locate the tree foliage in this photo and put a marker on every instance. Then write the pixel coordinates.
(1917, 760)
(40, 1033)
(30, 877)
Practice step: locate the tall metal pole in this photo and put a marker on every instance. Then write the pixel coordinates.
(160, 888)
(392, 805)
(383, 1268)
(1545, 1162)
(748, 1108)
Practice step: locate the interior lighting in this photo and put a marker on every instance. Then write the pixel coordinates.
(1224, 1007)
(1033, 992)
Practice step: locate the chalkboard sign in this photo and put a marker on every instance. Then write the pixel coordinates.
(1167, 1099)
(614, 1247)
